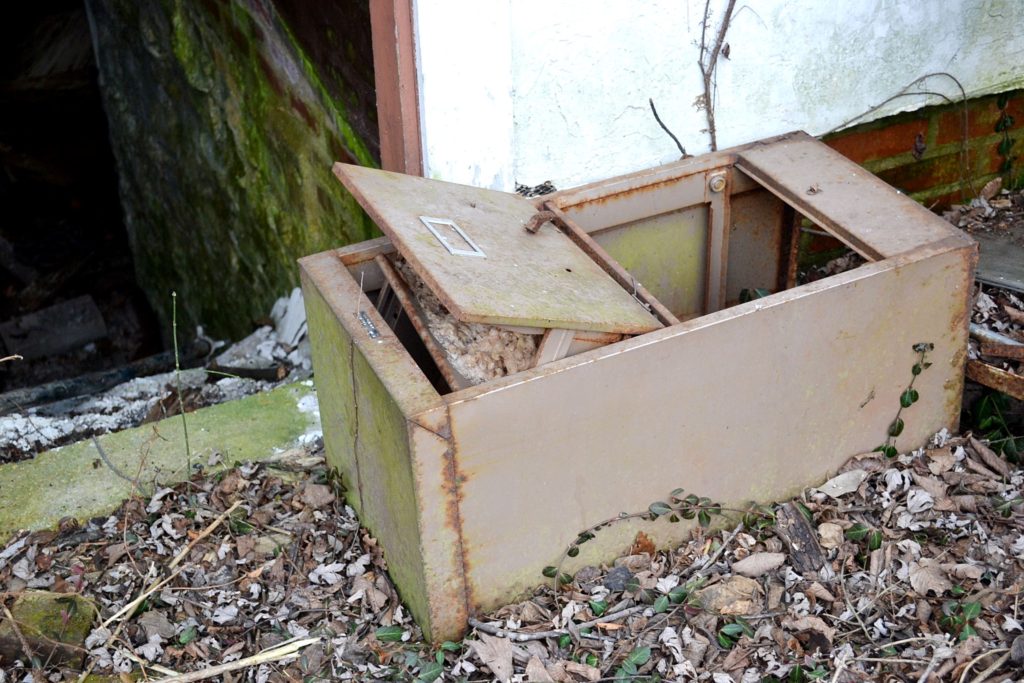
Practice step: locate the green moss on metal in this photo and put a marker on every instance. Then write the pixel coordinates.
(74, 481)
(224, 135)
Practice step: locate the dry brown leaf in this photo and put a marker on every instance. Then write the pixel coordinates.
(589, 673)
(1015, 316)
(758, 564)
(642, 544)
(809, 623)
(990, 457)
(926, 575)
(991, 188)
(963, 570)
(830, 535)
(936, 488)
(317, 495)
(940, 460)
(736, 595)
(844, 483)
(738, 658)
(496, 654)
(820, 592)
(535, 671)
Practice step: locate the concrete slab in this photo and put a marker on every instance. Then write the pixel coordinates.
(73, 481)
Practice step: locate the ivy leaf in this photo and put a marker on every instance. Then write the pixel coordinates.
(733, 630)
(857, 532)
(896, 428)
(449, 646)
(638, 657)
(908, 398)
(573, 551)
(550, 571)
(431, 671)
(661, 604)
(659, 508)
(187, 636)
(704, 518)
(678, 594)
(875, 540)
(971, 610)
(598, 607)
(389, 634)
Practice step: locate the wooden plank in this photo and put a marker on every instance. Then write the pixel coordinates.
(554, 346)
(595, 251)
(491, 270)
(840, 196)
(401, 289)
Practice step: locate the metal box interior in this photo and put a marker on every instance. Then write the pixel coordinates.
(472, 492)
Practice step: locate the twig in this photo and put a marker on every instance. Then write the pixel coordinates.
(36, 669)
(694, 569)
(103, 456)
(203, 534)
(272, 655)
(682, 150)
(523, 636)
(17, 357)
(177, 378)
(130, 607)
(990, 670)
(707, 70)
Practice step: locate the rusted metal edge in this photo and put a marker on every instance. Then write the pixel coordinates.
(996, 378)
(405, 297)
(595, 251)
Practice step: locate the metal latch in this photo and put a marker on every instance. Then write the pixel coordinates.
(451, 230)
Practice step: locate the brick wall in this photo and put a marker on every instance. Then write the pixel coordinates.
(926, 153)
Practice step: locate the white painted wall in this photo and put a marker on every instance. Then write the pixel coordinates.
(530, 90)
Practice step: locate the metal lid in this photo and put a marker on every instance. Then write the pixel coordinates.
(469, 246)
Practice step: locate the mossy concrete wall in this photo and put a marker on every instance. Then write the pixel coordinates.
(224, 134)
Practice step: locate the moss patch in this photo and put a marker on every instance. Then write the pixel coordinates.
(54, 625)
(73, 480)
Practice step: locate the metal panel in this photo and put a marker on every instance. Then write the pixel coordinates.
(470, 247)
(755, 243)
(666, 254)
(753, 402)
(867, 214)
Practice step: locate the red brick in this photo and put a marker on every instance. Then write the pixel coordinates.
(918, 176)
(879, 143)
(982, 115)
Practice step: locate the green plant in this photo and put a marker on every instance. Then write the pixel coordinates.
(908, 398)
(731, 632)
(958, 617)
(861, 532)
(677, 508)
(632, 663)
(177, 380)
(989, 420)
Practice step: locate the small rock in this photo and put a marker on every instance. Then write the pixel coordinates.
(1017, 650)
(54, 626)
(617, 578)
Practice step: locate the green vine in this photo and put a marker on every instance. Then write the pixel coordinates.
(908, 398)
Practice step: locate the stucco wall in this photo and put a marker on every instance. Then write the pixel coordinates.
(527, 91)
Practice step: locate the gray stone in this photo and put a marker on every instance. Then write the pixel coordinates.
(617, 578)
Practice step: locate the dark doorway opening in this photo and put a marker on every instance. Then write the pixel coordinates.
(63, 243)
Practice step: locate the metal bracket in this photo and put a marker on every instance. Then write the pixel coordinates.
(435, 225)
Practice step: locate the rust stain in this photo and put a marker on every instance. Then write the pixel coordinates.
(994, 378)
(454, 478)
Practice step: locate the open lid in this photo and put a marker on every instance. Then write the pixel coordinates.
(470, 246)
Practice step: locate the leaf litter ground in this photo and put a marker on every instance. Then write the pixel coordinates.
(921, 581)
